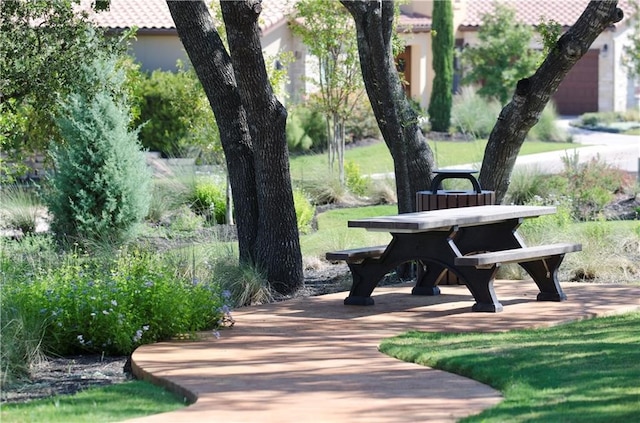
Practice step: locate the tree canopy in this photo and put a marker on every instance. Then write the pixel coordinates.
(328, 32)
(42, 43)
(502, 57)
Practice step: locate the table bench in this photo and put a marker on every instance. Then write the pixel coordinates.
(471, 242)
(356, 255)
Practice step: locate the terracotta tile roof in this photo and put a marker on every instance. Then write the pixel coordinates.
(565, 12)
(154, 15)
(414, 22)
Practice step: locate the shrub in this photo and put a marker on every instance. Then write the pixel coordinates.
(383, 191)
(604, 118)
(100, 189)
(314, 125)
(176, 117)
(167, 195)
(353, 178)
(209, 199)
(184, 219)
(297, 138)
(110, 304)
(362, 122)
(472, 114)
(327, 190)
(305, 211)
(592, 185)
(19, 208)
(529, 184)
(546, 129)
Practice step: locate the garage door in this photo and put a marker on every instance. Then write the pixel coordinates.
(578, 92)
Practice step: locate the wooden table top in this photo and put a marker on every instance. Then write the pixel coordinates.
(447, 218)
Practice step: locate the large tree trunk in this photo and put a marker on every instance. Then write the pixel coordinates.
(258, 167)
(398, 122)
(277, 242)
(214, 69)
(532, 94)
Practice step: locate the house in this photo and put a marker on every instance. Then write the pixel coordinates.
(598, 82)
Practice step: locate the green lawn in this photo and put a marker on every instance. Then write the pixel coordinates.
(583, 372)
(112, 403)
(376, 158)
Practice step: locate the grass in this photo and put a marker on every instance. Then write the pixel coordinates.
(611, 249)
(333, 233)
(376, 158)
(112, 403)
(579, 372)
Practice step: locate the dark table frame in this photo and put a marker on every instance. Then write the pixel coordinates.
(434, 239)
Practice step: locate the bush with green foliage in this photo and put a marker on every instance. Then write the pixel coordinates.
(314, 125)
(592, 185)
(76, 303)
(167, 195)
(305, 211)
(176, 118)
(209, 199)
(585, 187)
(354, 180)
(297, 137)
(603, 120)
(100, 189)
(184, 219)
(526, 185)
(41, 45)
(362, 123)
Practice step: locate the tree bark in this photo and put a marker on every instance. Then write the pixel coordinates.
(256, 159)
(398, 122)
(532, 94)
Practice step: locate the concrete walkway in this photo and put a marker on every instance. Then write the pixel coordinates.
(620, 151)
(316, 360)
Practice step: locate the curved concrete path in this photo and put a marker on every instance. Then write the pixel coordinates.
(316, 360)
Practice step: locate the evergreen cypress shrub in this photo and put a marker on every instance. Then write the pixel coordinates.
(443, 43)
(101, 186)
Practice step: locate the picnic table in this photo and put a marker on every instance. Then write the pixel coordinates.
(471, 242)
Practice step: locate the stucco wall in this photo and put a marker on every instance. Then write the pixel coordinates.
(614, 90)
(154, 51)
(421, 68)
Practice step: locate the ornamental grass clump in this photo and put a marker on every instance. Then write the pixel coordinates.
(20, 208)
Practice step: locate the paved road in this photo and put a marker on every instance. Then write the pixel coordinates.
(622, 151)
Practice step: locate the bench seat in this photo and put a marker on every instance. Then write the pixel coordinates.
(517, 255)
(357, 254)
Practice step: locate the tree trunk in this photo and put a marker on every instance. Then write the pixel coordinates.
(258, 172)
(398, 122)
(213, 67)
(277, 242)
(532, 94)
